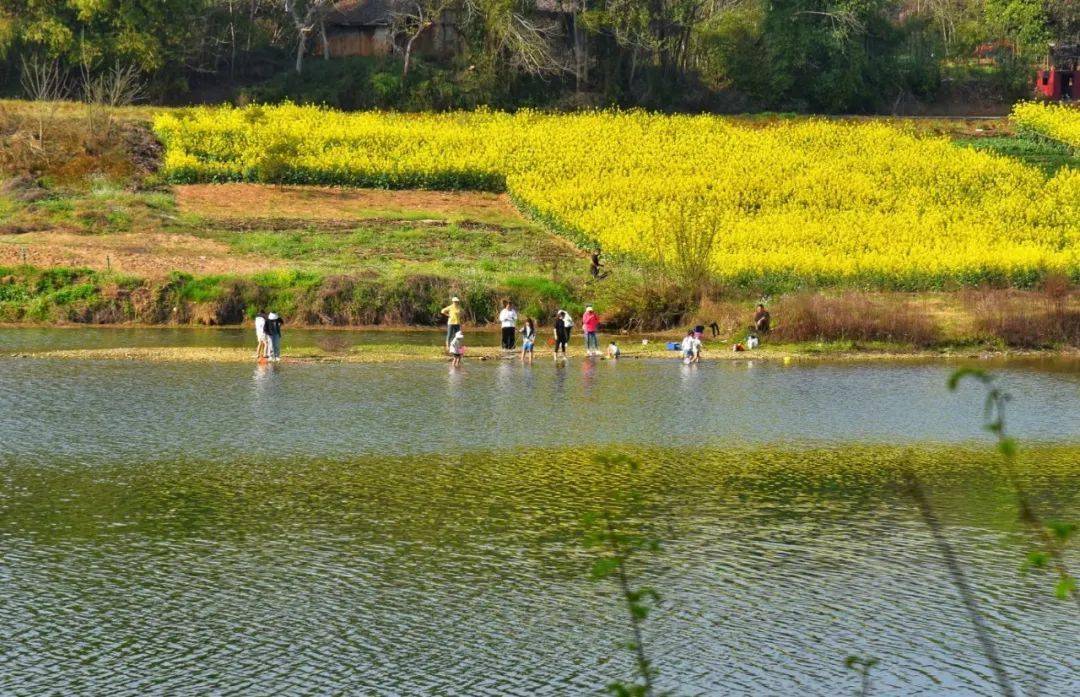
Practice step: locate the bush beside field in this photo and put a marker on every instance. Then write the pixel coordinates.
(1058, 122)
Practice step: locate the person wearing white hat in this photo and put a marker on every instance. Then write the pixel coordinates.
(590, 322)
(273, 334)
(457, 348)
(452, 312)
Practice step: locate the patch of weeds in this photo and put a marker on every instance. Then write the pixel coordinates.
(13, 291)
(103, 187)
(74, 293)
(51, 280)
(61, 208)
(158, 201)
(287, 279)
(126, 282)
(1047, 155)
(541, 297)
(202, 289)
(8, 208)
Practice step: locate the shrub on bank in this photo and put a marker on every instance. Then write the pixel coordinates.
(852, 317)
(1044, 319)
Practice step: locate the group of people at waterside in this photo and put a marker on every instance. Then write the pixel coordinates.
(562, 327)
(508, 319)
(268, 334)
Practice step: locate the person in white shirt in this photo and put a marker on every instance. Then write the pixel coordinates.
(508, 320)
(691, 348)
(260, 335)
(457, 348)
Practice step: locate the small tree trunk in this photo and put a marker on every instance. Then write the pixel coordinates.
(408, 56)
(325, 43)
(300, 52)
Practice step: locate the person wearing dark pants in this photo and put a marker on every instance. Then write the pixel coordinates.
(452, 312)
(508, 320)
(273, 335)
(562, 334)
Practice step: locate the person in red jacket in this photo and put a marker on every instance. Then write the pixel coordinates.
(590, 322)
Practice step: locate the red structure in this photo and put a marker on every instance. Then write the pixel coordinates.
(1060, 77)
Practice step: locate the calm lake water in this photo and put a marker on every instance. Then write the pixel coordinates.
(405, 529)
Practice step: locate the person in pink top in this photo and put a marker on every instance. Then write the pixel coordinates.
(590, 322)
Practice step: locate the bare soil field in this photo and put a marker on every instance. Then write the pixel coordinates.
(320, 203)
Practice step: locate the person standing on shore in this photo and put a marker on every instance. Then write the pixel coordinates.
(508, 320)
(562, 334)
(261, 347)
(452, 312)
(273, 334)
(590, 322)
(528, 337)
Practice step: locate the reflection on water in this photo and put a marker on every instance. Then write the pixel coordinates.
(110, 411)
(465, 574)
(30, 339)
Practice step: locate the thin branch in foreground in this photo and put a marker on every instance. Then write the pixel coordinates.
(960, 582)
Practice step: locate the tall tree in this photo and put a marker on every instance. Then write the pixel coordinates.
(307, 16)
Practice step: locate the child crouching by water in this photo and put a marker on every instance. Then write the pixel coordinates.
(457, 348)
(613, 350)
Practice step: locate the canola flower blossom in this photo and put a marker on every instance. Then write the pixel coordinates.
(792, 203)
(1060, 122)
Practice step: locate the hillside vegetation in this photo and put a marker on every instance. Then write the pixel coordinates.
(89, 232)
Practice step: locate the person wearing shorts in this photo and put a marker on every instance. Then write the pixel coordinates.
(528, 337)
(452, 312)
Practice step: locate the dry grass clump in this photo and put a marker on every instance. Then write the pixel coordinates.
(67, 150)
(1041, 319)
(852, 316)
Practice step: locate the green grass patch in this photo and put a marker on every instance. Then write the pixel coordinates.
(1041, 153)
(491, 254)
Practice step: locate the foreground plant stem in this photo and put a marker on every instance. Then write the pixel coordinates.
(960, 582)
(1053, 537)
(643, 666)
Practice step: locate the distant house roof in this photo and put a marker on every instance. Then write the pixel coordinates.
(364, 13)
(557, 6)
(372, 13)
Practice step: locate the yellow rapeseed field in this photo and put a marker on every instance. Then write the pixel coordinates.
(1058, 121)
(791, 202)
